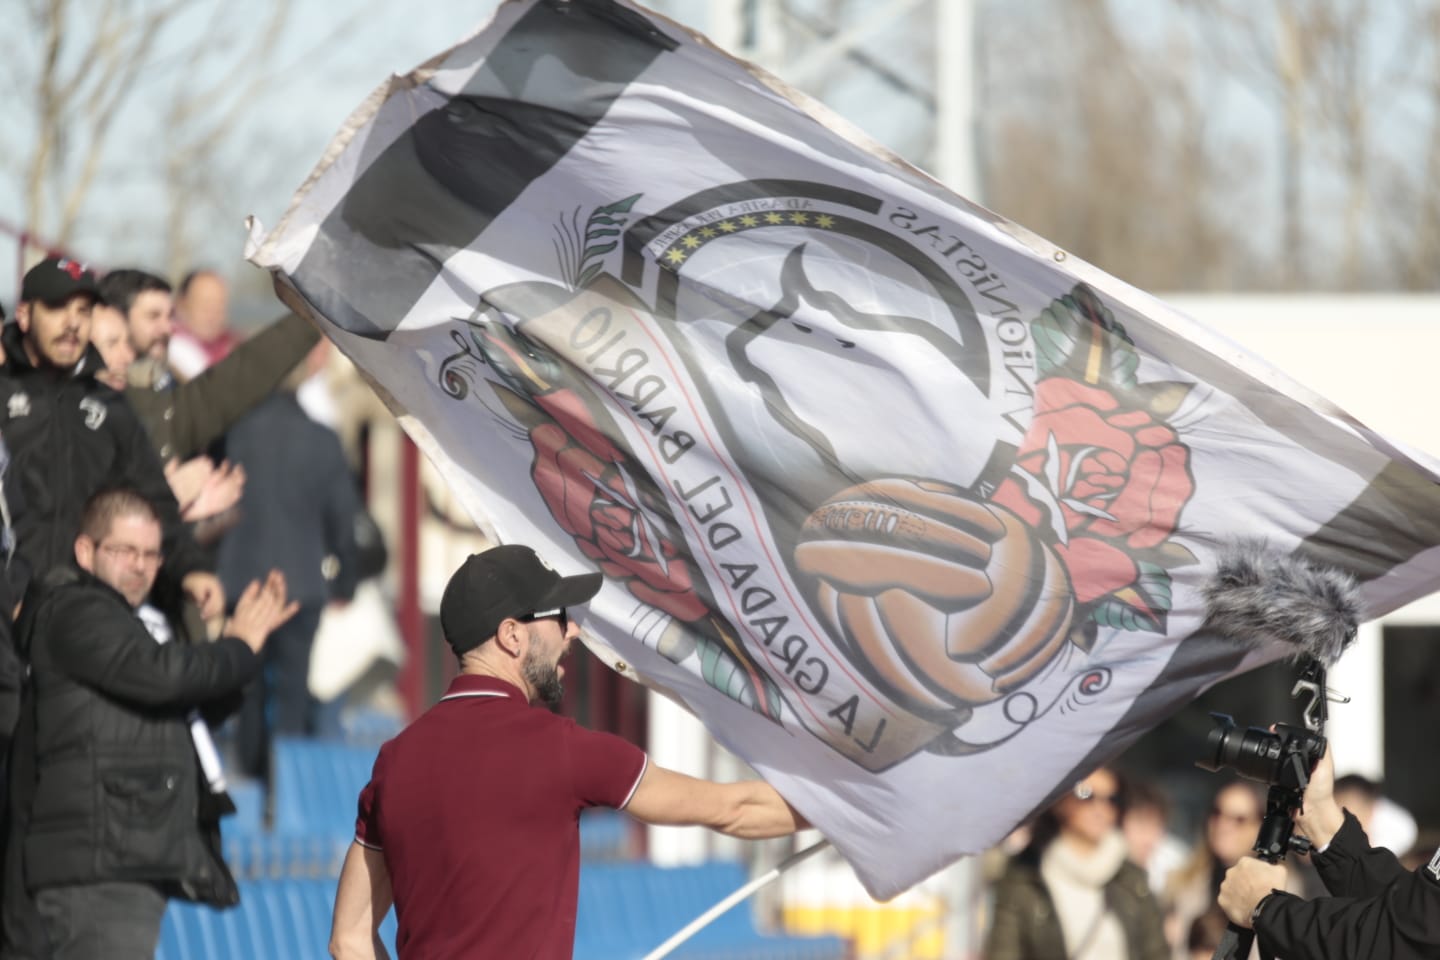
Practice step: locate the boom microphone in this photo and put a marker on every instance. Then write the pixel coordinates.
(1259, 596)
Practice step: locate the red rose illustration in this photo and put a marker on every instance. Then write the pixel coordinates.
(578, 472)
(1118, 477)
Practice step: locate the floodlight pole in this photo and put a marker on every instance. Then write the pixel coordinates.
(956, 163)
(709, 916)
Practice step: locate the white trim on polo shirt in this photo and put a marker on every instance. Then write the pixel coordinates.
(474, 693)
(369, 846)
(645, 765)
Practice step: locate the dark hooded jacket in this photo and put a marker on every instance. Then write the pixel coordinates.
(69, 437)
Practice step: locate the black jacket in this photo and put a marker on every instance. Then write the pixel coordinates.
(115, 789)
(1377, 909)
(70, 437)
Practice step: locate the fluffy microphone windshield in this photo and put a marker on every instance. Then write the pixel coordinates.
(1259, 596)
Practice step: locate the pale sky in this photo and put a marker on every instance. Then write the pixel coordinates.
(275, 145)
(282, 139)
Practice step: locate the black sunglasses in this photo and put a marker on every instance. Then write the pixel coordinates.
(563, 617)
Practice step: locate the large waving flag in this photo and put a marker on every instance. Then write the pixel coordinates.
(910, 507)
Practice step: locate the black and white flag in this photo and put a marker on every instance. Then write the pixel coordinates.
(910, 507)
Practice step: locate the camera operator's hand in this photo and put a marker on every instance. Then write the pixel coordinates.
(1320, 817)
(1246, 884)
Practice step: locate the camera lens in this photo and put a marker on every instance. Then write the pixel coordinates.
(1253, 753)
(1216, 743)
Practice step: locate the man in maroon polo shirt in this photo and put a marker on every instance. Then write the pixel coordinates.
(470, 822)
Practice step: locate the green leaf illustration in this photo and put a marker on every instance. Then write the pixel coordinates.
(619, 206)
(598, 250)
(1077, 336)
(588, 274)
(721, 671)
(1111, 612)
(1154, 585)
(1141, 606)
(605, 221)
(1167, 555)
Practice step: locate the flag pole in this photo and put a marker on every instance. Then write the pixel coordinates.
(706, 918)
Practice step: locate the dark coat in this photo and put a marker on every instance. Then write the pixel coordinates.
(299, 505)
(1377, 908)
(69, 437)
(1027, 927)
(183, 419)
(117, 792)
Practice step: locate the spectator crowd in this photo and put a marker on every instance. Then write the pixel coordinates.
(174, 525)
(1103, 873)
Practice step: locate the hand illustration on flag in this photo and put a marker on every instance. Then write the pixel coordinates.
(912, 509)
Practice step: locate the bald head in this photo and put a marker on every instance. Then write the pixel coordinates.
(203, 304)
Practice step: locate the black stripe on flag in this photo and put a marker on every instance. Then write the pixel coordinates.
(435, 189)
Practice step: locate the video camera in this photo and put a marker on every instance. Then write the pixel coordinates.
(1283, 759)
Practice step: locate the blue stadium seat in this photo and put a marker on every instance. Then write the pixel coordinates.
(275, 856)
(606, 835)
(249, 816)
(317, 783)
(276, 920)
(628, 909)
(368, 727)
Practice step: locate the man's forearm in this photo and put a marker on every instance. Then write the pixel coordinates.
(371, 949)
(361, 898)
(758, 812)
(206, 407)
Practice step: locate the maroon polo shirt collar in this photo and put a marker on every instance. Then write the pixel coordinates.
(468, 685)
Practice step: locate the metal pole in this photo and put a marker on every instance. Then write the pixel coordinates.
(955, 164)
(709, 916)
(725, 25)
(408, 612)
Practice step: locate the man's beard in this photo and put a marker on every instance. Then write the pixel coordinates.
(544, 679)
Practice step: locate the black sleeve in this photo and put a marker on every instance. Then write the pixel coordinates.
(209, 405)
(1401, 923)
(98, 642)
(1350, 867)
(12, 674)
(142, 471)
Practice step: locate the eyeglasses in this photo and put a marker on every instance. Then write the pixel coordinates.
(1238, 819)
(129, 554)
(563, 617)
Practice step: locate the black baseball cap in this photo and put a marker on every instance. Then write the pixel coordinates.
(56, 279)
(505, 581)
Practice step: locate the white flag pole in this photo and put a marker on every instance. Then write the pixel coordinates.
(706, 918)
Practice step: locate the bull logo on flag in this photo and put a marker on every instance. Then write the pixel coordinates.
(939, 595)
